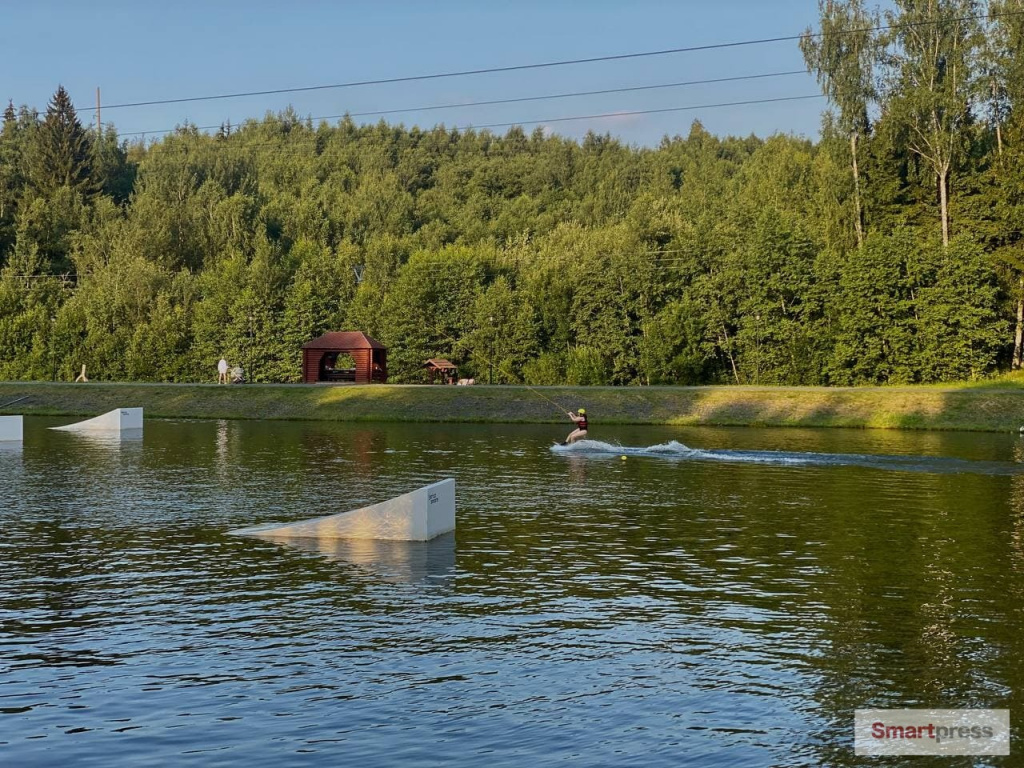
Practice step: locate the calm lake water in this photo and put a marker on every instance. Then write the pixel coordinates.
(727, 606)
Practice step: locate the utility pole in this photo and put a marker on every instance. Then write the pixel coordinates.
(490, 354)
(252, 372)
(53, 355)
(99, 121)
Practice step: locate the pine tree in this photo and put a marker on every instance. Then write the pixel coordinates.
(61, 151)
(11, 179)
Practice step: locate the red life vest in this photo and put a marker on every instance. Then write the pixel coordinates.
(582, 424)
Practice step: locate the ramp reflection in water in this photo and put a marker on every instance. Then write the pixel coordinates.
(400, 562)
(106, 439)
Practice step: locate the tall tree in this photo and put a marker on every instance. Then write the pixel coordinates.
(11, 180)
(1002, 83)
(842, 56)
(931, 49)
(61, 152)
(1004, 62)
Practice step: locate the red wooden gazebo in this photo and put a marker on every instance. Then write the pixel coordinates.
(320, 358)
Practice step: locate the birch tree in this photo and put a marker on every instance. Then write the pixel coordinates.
(931, 48)
(842, 57)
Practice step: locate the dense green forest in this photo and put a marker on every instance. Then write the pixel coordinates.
(888, 251)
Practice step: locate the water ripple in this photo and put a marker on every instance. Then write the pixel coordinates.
(715, 611)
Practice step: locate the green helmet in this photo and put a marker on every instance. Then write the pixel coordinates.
(582, 411)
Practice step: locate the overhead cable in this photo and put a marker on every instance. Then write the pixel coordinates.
(619, 114)
(518, 100)
(548, 64)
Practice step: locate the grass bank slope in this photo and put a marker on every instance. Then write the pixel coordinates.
(995, 406)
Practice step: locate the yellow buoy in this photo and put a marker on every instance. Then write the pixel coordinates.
(623, 458)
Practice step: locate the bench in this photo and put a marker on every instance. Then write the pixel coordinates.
(339, 374)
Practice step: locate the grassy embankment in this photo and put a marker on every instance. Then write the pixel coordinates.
(990, 406)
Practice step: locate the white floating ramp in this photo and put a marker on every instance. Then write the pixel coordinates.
(120, 420)
(417, 516)
(11, 429)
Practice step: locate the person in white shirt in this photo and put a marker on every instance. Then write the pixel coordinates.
(222, 371)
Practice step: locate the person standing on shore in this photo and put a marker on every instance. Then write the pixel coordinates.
(222, 371)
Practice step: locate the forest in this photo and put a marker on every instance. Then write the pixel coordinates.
(888, 250)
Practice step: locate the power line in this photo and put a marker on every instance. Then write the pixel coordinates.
(634, 113)
(574, 94)
(519, 100)
(547, 64)
(441, 75)
(630, 113)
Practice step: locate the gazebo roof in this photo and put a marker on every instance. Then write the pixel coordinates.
(342, 340)
(441, 363)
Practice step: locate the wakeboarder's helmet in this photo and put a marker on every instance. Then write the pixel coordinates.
(582, 411)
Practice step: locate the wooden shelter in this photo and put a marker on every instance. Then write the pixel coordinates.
(445, 368)
(324, 358)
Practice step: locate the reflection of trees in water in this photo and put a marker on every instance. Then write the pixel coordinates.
(48, 597)
(1017, 512)
(946, 669)
(342, 463)
(907, 615)
(350, 441)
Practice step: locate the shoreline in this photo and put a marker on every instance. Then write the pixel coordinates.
(996, 406)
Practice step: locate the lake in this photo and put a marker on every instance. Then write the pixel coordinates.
(726, 599)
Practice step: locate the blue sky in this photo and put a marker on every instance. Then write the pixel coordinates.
(144, 51)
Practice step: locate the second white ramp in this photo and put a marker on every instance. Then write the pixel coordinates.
(417, 516)
(120, 420)
(11, 429)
